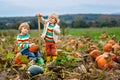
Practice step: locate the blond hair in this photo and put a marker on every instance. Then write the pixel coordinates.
(25, 25)
(54, 16)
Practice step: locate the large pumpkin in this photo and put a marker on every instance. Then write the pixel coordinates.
(94, 53)
(102, 62)
(33, 48)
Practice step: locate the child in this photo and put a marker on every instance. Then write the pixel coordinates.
(50, 35)
(23, 40)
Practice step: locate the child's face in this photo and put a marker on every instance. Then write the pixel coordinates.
(51, 20)
(24, 30)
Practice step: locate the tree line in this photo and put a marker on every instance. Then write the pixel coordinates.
(66, 21)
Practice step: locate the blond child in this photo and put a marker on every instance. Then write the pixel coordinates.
(23, 41)
(50, 35)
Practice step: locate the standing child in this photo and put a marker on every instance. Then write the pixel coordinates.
(50, 35)
(23, 40)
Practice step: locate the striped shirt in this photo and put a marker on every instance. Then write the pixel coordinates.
(23, 41)
(49, 34)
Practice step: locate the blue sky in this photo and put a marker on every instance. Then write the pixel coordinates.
(10, 8)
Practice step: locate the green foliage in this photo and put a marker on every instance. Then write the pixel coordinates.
(67, 60)
(24, 58)
(10, 56)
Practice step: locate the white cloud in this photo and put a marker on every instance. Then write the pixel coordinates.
(30, 7)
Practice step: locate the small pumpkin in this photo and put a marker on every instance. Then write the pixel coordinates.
(33, 48)
(73, 41)
(59, 41)
(91, 48)
(107, 47)
(115, 58)
(17, 59)
(115, 47)
(94, 53)
(112, 42)
(69, 43)
(102, 62)
(111, 55)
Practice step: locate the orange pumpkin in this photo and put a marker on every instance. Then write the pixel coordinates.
(73, 41)
(59, 41)
(17, 59)
(33, 48)
(116, 47)
(112, 55)
(69, 43)
(111, 42)
(107, 47)
(102, 62)
(91, 48)
(114, 58)
(94, 53)
(110, 64)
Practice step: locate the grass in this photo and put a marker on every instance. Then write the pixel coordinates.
(92, 32)
(95, 32)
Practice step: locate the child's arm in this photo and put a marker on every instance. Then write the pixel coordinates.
(42, 20)
(57, 29)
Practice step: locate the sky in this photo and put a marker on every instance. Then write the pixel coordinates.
(13, 8)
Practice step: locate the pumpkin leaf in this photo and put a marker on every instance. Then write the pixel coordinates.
(10, 56)
(24, 58)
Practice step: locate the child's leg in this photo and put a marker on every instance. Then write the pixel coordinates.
(28, 53)
(48, 58)
(48, 52)
(48, 48)
(39, 58)
(54, 51)
(38, 55)
(40, 61)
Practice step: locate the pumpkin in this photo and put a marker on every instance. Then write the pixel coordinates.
(111, 42)
(114, 58)
(112, 55)
(17, 59)
(73, 41)
(91, 48)
(115, 47)
(110, 64)
(69, 43)
(34, 70)
(107, 47)
(33, 48)
(80, 45)
(102, 62)
(59, 41)
(94, 53)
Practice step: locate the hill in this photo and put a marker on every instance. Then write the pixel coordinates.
(68, 20)
(65, 18)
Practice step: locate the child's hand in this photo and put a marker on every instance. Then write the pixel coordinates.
(31, 44)
(38, 15)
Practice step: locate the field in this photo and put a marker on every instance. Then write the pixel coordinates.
(74, 61)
